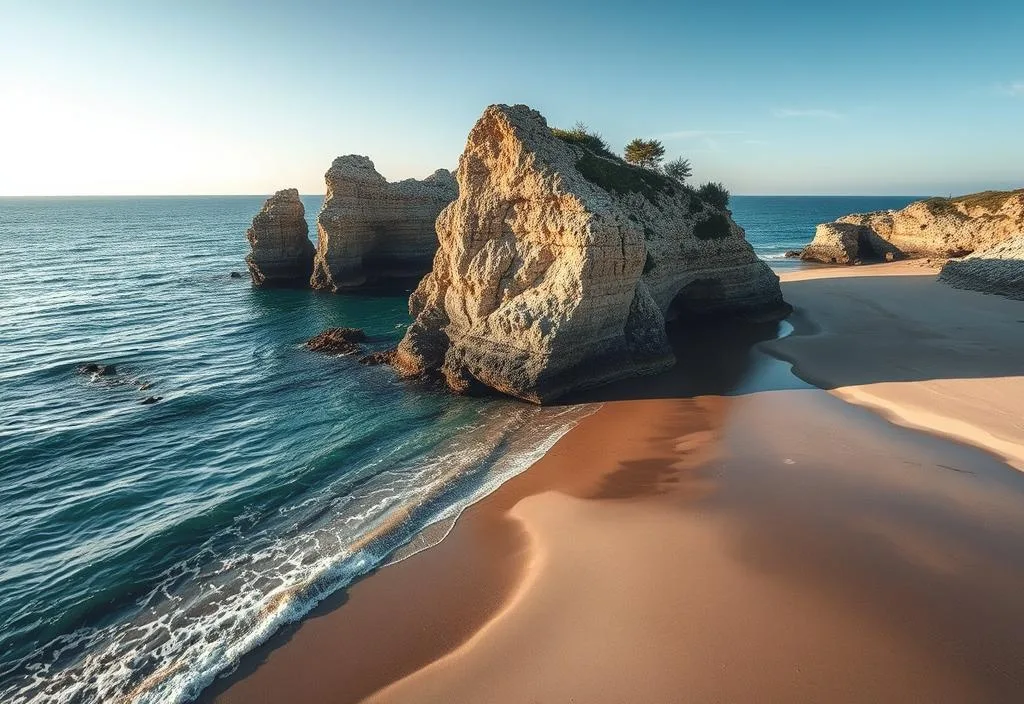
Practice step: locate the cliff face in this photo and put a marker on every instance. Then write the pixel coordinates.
(998, 269)
(280, 251)
(558, 267)
(936, 227)
(371, 231)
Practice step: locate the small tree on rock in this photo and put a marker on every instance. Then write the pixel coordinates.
(647, 153)
(679, 169)
(714, 194)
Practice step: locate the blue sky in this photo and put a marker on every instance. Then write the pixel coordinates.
(247, 97)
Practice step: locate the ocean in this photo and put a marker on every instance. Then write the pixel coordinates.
(144, 548)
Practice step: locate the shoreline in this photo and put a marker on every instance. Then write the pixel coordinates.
(654, 458)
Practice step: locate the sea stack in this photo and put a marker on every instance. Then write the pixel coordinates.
(281, 254)
(935, 227)
(559, 266)
(371, 232)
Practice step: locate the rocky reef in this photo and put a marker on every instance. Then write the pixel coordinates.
(373, 232)
(281, 254)
(558, 267)
(935, 227)
(998, 270)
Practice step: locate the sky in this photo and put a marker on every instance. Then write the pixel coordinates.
(216, 97)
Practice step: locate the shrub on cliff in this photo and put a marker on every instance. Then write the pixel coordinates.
(714, 194)
(713, 227)
(583, 137)
(679, 169)
(647, 153)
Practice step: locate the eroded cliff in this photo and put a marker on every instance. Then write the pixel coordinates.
(559, 266)
(936, 227)
(374, 232)
(280, 251)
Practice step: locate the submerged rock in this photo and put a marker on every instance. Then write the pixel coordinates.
(998, 270)
(149, 400)
(97, 369)
(846, 243)
(371, 232)
(281, 254)
(558, 267)
(381, 357)
(935, 227)
(337, 341)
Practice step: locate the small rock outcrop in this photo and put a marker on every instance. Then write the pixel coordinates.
(376, 358)
(847, 243)
(281, 254)
(935, 227)
(371, 232)
(559, 266)
(998, 270)
(337, 341)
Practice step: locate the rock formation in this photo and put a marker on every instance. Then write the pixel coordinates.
(374, 232)
(558, 267)
(936, 227)
(280, 251)
(998, 269)
(337, 341)
(846, 243)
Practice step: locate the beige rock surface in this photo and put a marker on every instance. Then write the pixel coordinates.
(371, 231)
(847, 243)
(558, 267)
(936, 227)
(998, 269)
(280, 251)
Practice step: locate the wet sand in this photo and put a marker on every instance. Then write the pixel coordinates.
(724, 532)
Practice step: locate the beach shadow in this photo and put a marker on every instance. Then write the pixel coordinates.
(712, 359)
(851, 331)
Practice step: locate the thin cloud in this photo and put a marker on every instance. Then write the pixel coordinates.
(811, 112)
(1014, 90)
(698, 134)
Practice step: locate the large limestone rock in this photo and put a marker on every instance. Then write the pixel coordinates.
(936, 227)
(846, 243)
(558, 267)
(280, 251)
(998, 269)
(374, 232)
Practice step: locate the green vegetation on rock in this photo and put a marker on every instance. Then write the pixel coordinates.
(986, 200)
(583, 137)
(714, 194)
(615, 175)
(713, 227)
(647, 153)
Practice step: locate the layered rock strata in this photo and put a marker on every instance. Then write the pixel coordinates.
(936, 227)
(558, 267)
(998, 270)
(373, 232)
(280, 254)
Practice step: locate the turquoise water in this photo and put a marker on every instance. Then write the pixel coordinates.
(145, 548)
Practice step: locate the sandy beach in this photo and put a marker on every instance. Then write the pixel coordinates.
(727, 532)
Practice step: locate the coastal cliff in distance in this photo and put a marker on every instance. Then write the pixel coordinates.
(559, 266)
(998, 269)
(281, 254)
(935, 227)
(373, 232)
